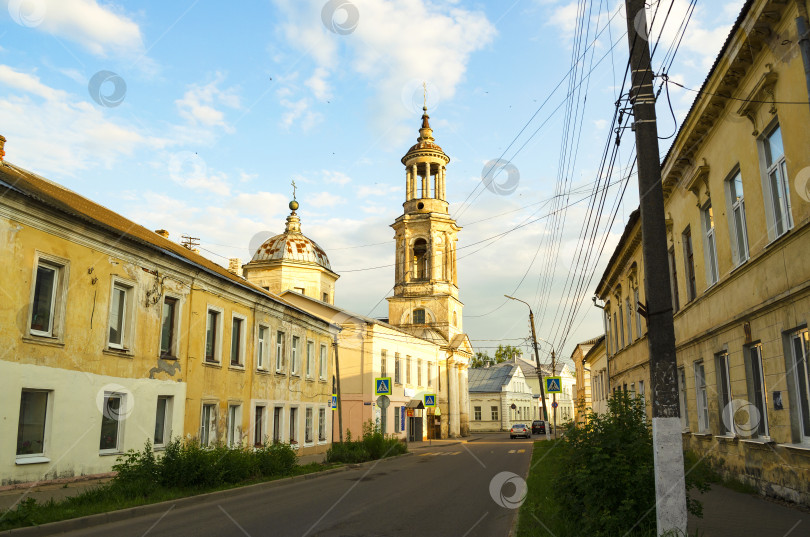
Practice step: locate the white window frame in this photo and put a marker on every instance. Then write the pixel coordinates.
(726, 408)
(119, 418)
(778, 167)
(294, 427)
(217, 334)
(168, 410)
(310, 368)
(408, 367)
(629, 314)
(476, 413)
(233, 426)
(294, 356)
(429, 373)
(701, 397)
(397, 369)
(263, 345)
(324, 361)
(637, 313)
(735, 205)
(758, 383)
(709, 244)
(309, 425)
(40, 456)
(174, 351)
(240, 359)
(494, 412)
(259, 426)
(801, 375)
(127, 325)
(58, 295)
(279, 344)
(419, 372)
(282, 422)
(208, 424)
(322, 425)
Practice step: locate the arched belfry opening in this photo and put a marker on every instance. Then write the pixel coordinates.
(420, 259)
(425, 242)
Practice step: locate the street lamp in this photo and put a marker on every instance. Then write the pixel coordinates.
(537, 362)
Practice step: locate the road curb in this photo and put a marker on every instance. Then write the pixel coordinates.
(73, 524)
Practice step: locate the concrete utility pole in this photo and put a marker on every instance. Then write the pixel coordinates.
(554, 395)
(537, 362)
(670, 491)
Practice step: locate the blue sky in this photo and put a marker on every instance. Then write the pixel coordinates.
(204, 112)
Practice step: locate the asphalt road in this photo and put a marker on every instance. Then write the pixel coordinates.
(439, 490)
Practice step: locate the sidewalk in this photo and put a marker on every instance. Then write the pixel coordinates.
(46, 491)
(727, 513)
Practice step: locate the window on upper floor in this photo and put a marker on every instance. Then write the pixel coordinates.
(419, 372)
(120, 320)
(673, 280)
(324, 361)
(629, 313)
(689, 262)
(407, 370)
(776, 186)
(709, 244)
(168, 328)
(397, 369)
(310, 371)
(325, 297)
(213, 330)
(48, 297)
(737, 226)
(383, 363)
(620, 327)
(294, 367)
(279, 352)
(638, 314)
(263, 348)
(237, 341)
(419, 316)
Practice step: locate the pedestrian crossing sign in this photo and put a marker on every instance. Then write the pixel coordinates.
(334, 401)
(553, 385)
(430, 400)
(382, 386)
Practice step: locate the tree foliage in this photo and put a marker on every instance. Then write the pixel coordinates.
(502, 354)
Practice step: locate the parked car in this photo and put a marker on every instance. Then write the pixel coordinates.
(539, 427)
(519, 429)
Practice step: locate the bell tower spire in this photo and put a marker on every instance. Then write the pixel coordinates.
(426, 283)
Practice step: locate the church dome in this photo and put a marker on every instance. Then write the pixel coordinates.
(292, 245)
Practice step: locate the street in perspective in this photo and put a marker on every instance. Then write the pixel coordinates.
(380, 268)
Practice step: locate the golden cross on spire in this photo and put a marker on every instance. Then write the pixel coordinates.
(293, 185)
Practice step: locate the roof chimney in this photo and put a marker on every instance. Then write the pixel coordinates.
(163, 233)
(2, 147)
(235, 266)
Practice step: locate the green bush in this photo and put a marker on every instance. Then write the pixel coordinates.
(372, 446)
(606, 480)
(187, 465)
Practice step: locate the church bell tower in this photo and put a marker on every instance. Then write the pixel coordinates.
(426, 284)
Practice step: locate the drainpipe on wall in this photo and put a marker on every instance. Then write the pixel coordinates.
(804, 41)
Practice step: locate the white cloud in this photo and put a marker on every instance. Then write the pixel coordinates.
(394, 43)
(58, 134)
(101, 29)
(199, 105)
(378, 190)
(299, 113)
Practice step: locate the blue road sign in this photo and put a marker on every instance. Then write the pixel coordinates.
(382, 386)
(334, 401)
(554, 404)
(553, 385)
(430, 400)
